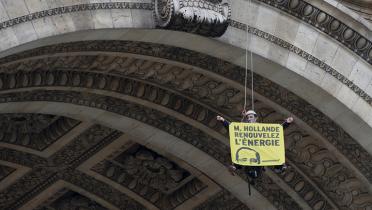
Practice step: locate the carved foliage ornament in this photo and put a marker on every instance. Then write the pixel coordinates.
(207, 18)
(25, 123)
(154, 177)
(36, 131)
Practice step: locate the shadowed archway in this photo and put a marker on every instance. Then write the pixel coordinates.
(166, 93)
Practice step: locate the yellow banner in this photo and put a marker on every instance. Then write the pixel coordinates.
(257, 144)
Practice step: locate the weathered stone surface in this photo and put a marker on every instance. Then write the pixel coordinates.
(179, 80)
(179, 92)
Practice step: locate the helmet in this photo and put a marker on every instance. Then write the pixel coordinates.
(251, 112)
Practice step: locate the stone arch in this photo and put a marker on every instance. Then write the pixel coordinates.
(284, 55)
(158, 140)
(328, 153)
(158, 88)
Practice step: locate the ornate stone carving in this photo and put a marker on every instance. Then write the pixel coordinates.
(27, 159)
(35, 131)
(75, 8)
(204, 17)
(25, 123)
(158, 98)
(147, 92)
(324, 169)
(102, 190)
(72, 201)
(45, 172)
(152, 176)
(153, 170)
(157, 119)
(300, 9)
(196, 85)
(326, 23)
(306, 190)
(222, 201)
(264, 87)
(307, 56)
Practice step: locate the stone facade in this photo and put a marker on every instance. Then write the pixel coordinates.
(72, 72)
(99, 124)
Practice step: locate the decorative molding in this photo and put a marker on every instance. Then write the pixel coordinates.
(207, 18)
(25, 123)
(222, 200)
(309, 114)
(307, 56)
(202, 17)
(102, 190)
(146, 92)
(312, 195)
(154, 177)
(71, 200)
(47, 171)
(323, 168)
(326, 23)
(34, 131)
(75, 8)
(184, 131)
(62, 164)
(168, 6)
(28, 159)
(79, 78)
(167, 10)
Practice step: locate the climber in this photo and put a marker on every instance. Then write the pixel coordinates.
(253, 172)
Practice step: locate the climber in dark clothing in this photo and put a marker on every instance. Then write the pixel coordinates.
(254, 172)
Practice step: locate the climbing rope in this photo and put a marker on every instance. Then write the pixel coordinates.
(248, 39)
(246, 71)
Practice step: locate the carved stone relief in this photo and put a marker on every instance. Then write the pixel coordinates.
(307, 56)
(328, 24)
(154, 177)
(45, 172)
(222, 201)
(264, 87)
(325, 170)
(35, 131)
(102, 190)
(72, 201)
(121, 71)
(204, 17)
(75, 8)
(171, 183)
(134, 87)
(164, 122)
(203, 12)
